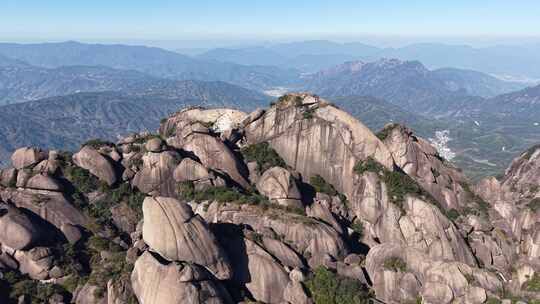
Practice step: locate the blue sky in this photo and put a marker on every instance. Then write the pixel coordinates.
(167, 19)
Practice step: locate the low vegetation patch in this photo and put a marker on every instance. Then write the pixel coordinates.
(81, 178)
(14, 285)
(101, 209)
(187, 191)
(296, 100)
(386, 131)
(395, 264)
(308, 113)
(398, 183)
(220, 194)
(265, 156)
(83, 263)
(534, 204)
(358, 227)
(452, 214)
(326, 287)
(533, 284)
(368, 165)
(322, 186)
(145, 138)
(97, 143)
(482, 207)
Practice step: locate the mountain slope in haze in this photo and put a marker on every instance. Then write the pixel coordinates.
(407, 84)
(307, 56)
(65, 122)
(25, 83)
(522, 105)
(475, 83)
(404, 83)
(8, 62)
(153, 61)
(514, 60)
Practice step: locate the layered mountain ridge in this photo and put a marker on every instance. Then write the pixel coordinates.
(64, 122)
(296, 203)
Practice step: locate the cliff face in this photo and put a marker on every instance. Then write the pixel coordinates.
(298, 203)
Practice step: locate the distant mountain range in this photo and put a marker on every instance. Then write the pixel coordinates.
(65, 84)
(64, 122)
(311, 56)
(25, 82)
(152, 61)
(407, 84)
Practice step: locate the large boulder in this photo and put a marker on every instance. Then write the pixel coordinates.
(43, 182)
(214, 154)
(421, 161)
(175, 232)
(286, 255)
(124, 217)
(90, 159)
(174, 283)
(17, 230)
(35, 262)
(189, 130)
(316, 138)
(280, 187)
(190, 170)
(257, 270)
(156, 175)
(27, 157)
(51, 206)
(221, 120)
(154, 145)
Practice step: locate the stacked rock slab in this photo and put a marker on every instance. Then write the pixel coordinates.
(185, 260)
(174, 283)
(177, 234)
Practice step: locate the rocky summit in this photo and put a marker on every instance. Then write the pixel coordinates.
(297, 203)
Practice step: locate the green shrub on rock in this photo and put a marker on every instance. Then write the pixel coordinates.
(322, 186)
(97, 143)
(14, 285)
(398, 183)
(265, 156)
(368, 165)
(534, 283)
(326, 287)
(395, 264)
(534, 204)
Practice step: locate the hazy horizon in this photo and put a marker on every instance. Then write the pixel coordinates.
(172, 24)
(210, 43)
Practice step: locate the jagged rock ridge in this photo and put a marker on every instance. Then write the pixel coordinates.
(298, 203)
